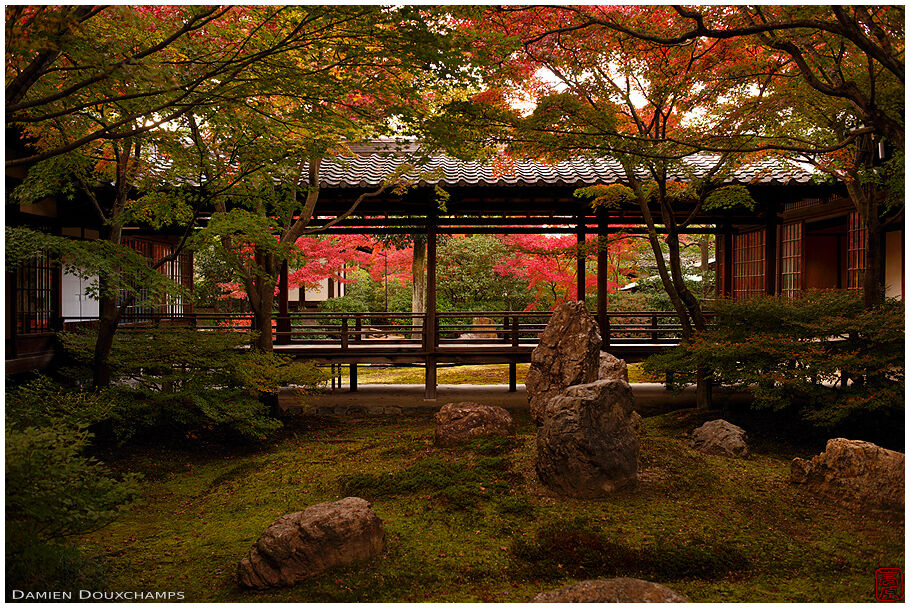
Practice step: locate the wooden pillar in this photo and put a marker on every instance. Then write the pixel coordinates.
(283, 326)
(727, 279)
(353, 375)
(771, 253)
(429, 324)
(580, 273)
(603, 230)
(12, 314)
(513, 377)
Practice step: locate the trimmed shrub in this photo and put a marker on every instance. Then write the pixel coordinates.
(839, 365)
(174, 382)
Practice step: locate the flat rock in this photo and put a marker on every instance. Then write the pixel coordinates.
(613, 590)
(586, 446)
(721, 438)
(300, 545)
(568, 353)
(466, 420)
(854, 472)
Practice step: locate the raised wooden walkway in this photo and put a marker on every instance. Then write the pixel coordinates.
(431, 339)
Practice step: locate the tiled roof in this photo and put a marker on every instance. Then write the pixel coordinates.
(368, 169)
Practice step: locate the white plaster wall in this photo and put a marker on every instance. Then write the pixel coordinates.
(74, 301)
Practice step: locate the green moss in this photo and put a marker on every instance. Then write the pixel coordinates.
(712, 528)
(578, 549)
(494, 446)
(460, 483)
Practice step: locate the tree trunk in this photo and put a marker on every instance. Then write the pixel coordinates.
(872, 279)
(867, 207)
(665, 279)
(263, 322)
(108, 320)
(263, 316)
(419, 276)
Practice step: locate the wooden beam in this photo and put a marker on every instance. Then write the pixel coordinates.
(772, 255)
(283, 326)
(429, 327)
(727, 279)
(580, 272)
(603, 230)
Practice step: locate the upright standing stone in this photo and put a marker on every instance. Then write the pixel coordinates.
(303, 544)
(568, 353)
(586, 446)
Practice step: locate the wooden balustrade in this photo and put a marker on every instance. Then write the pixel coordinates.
(511, 329)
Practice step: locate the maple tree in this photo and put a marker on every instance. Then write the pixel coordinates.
(649, 86)
(159, 63)
(641, 104)
(831, 89)
(242, 104)
(108, 173)
(549, 264)
(382, 65)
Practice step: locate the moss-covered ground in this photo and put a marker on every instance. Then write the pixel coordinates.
(464, 374)
(474, 524)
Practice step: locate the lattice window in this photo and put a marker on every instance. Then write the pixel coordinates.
(180, 271)
(36, 295)
(856, 252)
(749, 264)
(791, 271)
(138, 309)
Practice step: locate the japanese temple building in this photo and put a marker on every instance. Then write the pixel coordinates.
(802, 235)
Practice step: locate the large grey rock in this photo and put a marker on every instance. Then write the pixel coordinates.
(586, 446)
(721, 438)
(568, 353)
(464, 421)
(856, 472)
(613, 590)
(303, 544)
(612, 368)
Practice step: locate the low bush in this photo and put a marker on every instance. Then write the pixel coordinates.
(184, 382)
(839, 365)
(52, 493)
(169, 382)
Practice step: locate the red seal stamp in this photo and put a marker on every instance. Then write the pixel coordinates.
(889, 585)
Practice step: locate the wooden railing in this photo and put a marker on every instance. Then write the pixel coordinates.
(346, 329)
